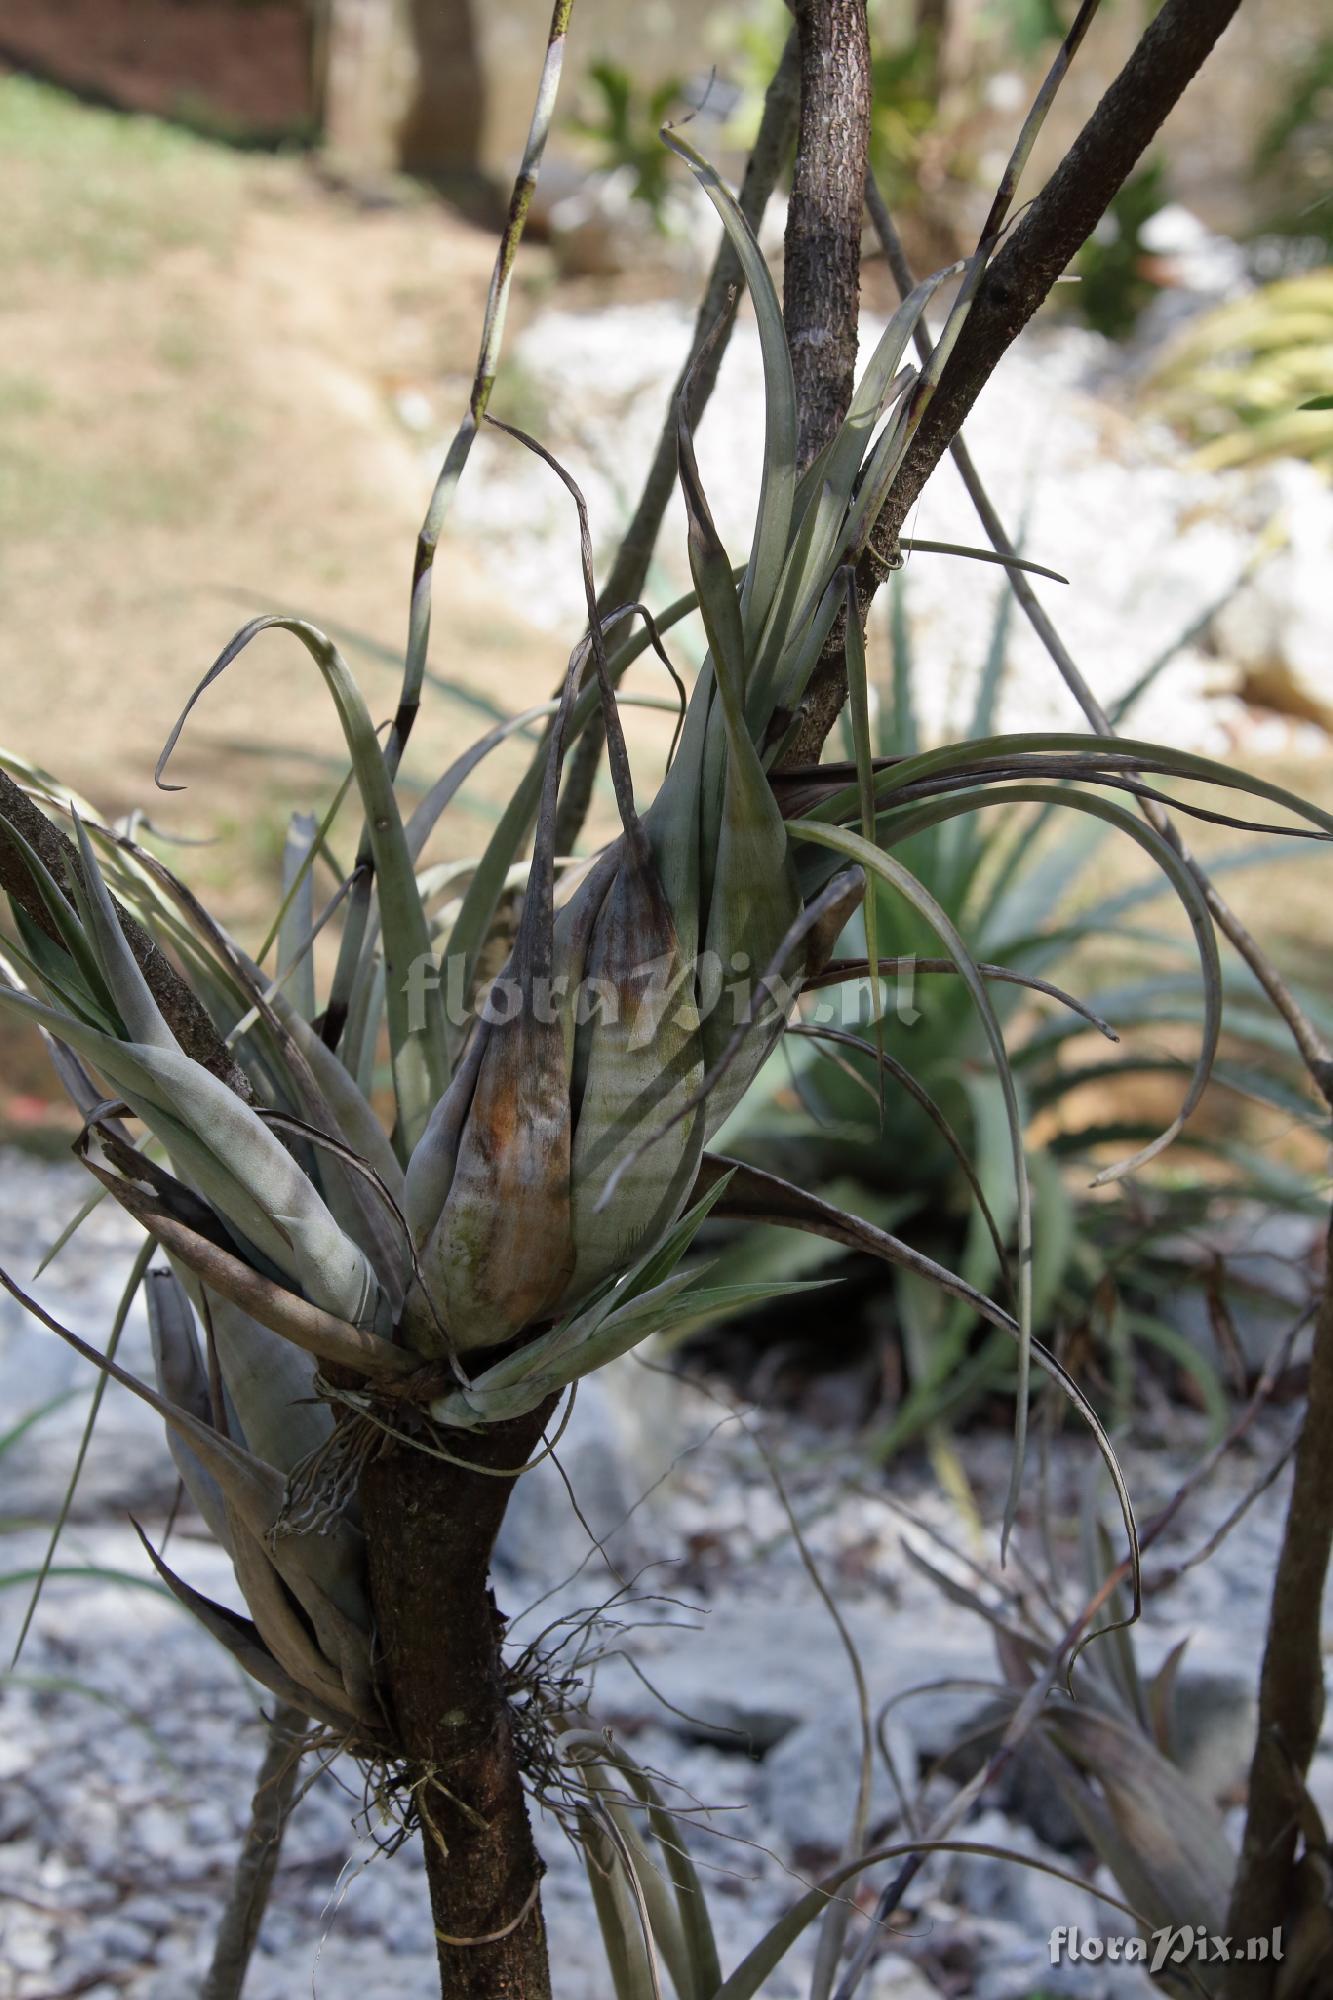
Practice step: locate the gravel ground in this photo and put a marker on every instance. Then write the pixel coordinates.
(128, 1742)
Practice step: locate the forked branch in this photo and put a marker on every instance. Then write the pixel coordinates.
(1020, 277)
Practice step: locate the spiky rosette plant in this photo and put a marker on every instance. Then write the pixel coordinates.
(362, 1331)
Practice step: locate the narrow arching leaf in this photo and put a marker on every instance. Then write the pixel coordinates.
(1182, 881)
(618, 1904)
(858, 701)
(182, 1379)
(854, 848)
(747, 1981)
(416, 1015)
(117, 964)
(753, 1195)
(905, 1080)
(777, 491)
(295, 1318)
(237, 1163)
(692, 1958)
(127, 1298)
(70, 939)
(1122, 751)
(909, 543)
(296, 967)
(271, 1384)
(297, 885)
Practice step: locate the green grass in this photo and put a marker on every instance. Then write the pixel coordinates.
(23, 396)
(110, 422)
(102, 193)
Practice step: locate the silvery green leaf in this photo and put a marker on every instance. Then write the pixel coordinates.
(242, 1640)
(295, 1318)
(325, 1572)
(416, 1015)
(752, 892)
(127, 1298)
(272, 1385)
(280, 1625)
(183, 1380)
(242, 1168)
(139, 1012)
(296, 965)
(693, 1962)
(70, 951)
(641, 1063)
(1164, 1845)
(777, 490)
(238, 1164)
(919, 898)
(618, 1904)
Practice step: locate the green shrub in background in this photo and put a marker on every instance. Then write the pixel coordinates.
(1115, 273)
(1293, 162)
(624, 131)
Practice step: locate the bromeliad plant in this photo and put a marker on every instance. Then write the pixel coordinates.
(362, 1332)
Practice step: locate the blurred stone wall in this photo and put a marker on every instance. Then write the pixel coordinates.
(438, 85)
(431, 85)
(240, 67)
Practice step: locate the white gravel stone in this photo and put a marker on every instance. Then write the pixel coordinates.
(1148, 542)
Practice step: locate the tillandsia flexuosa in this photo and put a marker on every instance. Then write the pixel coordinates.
(528, 1214)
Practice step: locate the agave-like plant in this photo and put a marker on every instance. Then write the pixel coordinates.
(1116, 1759)
(361, 1331)
(1248, 380)
(929, 1147)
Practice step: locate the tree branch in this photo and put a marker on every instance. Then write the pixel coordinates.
(431, 1525)
(1166, 57)
(256, 1865)
(1310, 1044)
(1291, 1694)
(822, 254)
(1291, 1685)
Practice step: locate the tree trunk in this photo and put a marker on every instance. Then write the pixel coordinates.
(400, 84)
(822, 261)
(430, 1528)
(1166, 57)
(442, 131)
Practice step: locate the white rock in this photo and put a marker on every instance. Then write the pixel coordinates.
(1277, 629)
(128, 1462)
(986, 1886)
(808, 1782)
(1149, 542)
(897, 1979)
